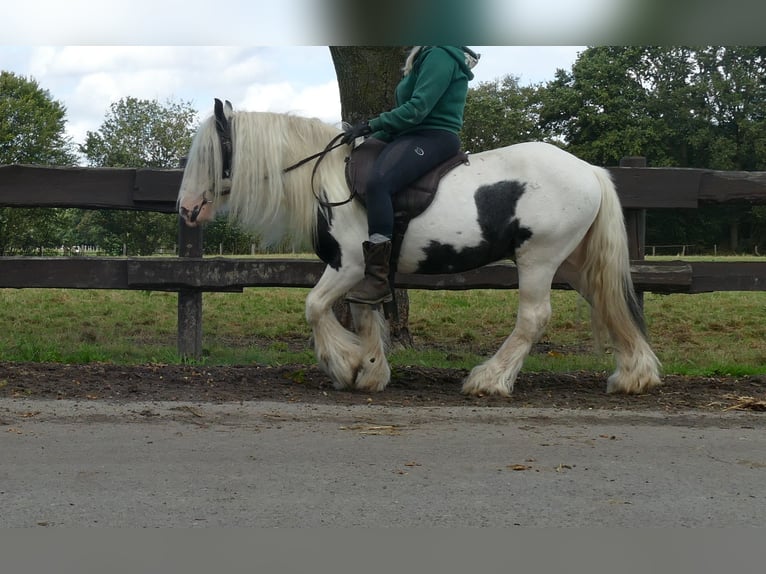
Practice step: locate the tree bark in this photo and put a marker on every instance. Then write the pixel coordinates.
(367, 77)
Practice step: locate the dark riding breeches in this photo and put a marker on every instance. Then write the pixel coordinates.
(402, 162)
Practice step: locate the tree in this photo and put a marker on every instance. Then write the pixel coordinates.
(141, 133)
(32, 131)
(136, 133)
(677, 106)
(500, 113)
(367, 78)
(32, 124)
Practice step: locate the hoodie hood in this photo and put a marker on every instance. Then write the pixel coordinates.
(465, 60)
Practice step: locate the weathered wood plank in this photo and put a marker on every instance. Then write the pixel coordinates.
(657, 188)
(89, 187)
(189, 323)
(221, 274)
(157, 189)
(733, 186)
(212, 274)
(728, 276)
(64, 272)
(662, 276)
(95, 188)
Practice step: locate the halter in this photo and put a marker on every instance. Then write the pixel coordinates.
(223, 129)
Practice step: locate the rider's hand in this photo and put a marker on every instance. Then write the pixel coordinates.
(350, 133)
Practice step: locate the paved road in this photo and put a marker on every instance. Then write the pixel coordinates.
(275, 464)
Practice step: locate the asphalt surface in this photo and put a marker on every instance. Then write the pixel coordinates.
(276, 464)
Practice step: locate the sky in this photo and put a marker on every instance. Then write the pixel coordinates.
(297, 79)
(272, 56)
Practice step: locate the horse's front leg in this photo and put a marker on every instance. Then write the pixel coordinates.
(337, 350)
(372, 328)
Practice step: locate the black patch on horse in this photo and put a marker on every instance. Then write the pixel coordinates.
(326, 246)
(502, 234)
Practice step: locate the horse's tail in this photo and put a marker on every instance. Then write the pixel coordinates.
(609, 288)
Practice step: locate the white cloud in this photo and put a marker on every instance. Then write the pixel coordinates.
(295, 79)
(321, 101)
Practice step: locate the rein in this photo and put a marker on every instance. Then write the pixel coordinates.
(319, 156)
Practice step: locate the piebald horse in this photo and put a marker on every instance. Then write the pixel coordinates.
(532, 202)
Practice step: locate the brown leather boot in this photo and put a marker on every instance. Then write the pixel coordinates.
(374, 288)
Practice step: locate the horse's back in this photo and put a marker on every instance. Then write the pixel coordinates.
(528, 156)
(507, 200)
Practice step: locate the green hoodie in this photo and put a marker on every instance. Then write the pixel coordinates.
(431, 96)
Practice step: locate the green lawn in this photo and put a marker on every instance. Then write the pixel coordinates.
(712, 333)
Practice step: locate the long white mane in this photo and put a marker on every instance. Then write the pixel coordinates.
(263, 198)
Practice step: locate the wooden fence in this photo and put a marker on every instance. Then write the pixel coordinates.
(190, 274)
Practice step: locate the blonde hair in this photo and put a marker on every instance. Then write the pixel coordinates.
(263, 198)
(411, 59)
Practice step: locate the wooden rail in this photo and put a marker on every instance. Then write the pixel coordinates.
(190, 274)
(233, 275)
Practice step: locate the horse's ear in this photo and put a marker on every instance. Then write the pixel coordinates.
(228, 109)
(221, 122)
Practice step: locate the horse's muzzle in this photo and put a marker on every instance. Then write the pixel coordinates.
(190, 216)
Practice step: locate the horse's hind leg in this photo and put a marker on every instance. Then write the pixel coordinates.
(497, 375)
(374, 372)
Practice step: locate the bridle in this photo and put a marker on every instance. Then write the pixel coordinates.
(223, 129)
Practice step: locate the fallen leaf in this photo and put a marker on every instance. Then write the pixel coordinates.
(189, 409)
(746, 404)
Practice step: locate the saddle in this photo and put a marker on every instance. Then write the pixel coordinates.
(408, 203)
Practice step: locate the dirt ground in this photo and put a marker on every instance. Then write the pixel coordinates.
(410, 386)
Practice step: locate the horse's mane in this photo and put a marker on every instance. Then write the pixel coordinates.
(263, 198)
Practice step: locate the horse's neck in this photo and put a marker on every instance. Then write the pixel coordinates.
(283, 198)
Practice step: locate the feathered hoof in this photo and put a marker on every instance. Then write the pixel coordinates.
(342, 374)
(484, 381)
(374, 375)
(631, 385)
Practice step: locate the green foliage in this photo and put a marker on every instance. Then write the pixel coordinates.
(135, 133)
(141, 133)
(32, 131)
(500, 113)
(32, 124)
(676, 106)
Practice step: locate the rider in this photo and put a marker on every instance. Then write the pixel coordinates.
(421, 132)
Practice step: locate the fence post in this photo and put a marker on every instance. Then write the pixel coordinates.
(635, 224)
(189, 300)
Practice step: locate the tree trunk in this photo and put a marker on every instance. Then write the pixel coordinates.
(367, 78)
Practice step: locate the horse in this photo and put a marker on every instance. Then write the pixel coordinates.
(534, 203)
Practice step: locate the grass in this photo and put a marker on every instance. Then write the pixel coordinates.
(705, 334)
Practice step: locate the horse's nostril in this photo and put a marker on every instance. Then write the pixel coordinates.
(195, 213)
